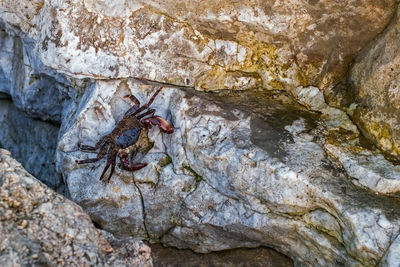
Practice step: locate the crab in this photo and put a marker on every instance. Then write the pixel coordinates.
(126, 133)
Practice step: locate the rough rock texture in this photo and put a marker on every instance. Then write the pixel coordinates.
(40, 228)
(243, 170)
(32, 142)
(257, 257)
(376, 83)
(34, 88)
(287, 45)
(276, 44)
(237, 172)
(128, 252)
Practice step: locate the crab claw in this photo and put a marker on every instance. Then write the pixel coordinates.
(164, 125)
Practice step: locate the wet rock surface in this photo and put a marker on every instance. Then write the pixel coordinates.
(237, 172)
(40, 228)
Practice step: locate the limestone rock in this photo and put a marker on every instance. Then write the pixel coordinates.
(257, 257)
(39, 227)
(128, 252)
(6, 56)
(369, 169)
(231, 44)
(32, 142)
(376, 81)
(236, 172)
(34, 88)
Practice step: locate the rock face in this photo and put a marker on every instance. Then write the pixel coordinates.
(226, 45)
(28, 81)
(258, 257)
(237, 173)
(275, 45)
(32, 142)
(376, 81)
(39, 227)
(276, 168)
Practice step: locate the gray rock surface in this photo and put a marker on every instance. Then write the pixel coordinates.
(128, 252)
(257, 257)
(375, 78)
(32, 142)
(279, 169)
(226, 45)
(241, 173)
(34, 88)
(40, 228)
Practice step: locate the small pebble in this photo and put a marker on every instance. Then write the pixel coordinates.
(23, 224)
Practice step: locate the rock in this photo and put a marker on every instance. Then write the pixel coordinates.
(280, 169)
(128, 252)
(35, 88)
(6, 56)
(229, 45)
(32, 142)
(367, 168)
(237, 172)
(375, 78)
(392, 257)
(39, 227)
(257, 257)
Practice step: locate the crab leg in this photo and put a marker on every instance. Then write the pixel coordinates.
(99, 157)
(132, 110)
(104, 171)
(133, 99)
(87, 160)
(99, 144)
(149, 112)
(110, 162)
(128, 165)
(112, 168)
(145, 106)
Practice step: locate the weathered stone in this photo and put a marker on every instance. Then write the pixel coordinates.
(367, 168)
(202, 44)
(128, 252)
(238, 171)
(32, 142)
(34, 88)
(392, 257)
(6, 56)
(241, 173)
(376, 81)
(39, 227)
(257, 257)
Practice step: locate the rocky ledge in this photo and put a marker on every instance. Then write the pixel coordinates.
(40, 228)
(239, 172)
(304, 161)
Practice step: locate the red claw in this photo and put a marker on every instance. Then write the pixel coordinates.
(164, 125)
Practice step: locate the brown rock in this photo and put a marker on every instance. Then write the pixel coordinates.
(376, 81)
(256, 257)
(39, 227)
(231, 44)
